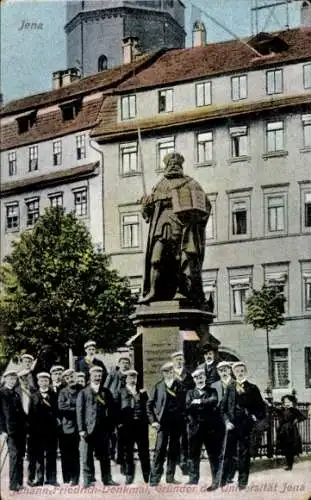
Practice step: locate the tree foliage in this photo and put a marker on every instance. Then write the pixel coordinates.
(265, 308)
(57, 290)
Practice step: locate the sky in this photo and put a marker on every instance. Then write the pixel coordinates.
(29, 56)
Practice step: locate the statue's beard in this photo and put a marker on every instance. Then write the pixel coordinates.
(174, 173)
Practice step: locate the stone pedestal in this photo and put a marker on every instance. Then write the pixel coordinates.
(161, 327)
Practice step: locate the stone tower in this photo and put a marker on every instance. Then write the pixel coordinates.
(95, 29)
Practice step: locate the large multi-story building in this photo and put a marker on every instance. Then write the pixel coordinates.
(240, 113)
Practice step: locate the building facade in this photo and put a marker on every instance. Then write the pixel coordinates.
(95, 30)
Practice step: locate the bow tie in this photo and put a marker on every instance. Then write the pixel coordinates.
(240, 387)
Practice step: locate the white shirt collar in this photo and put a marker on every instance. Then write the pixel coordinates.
(95, 387)
(170, 383)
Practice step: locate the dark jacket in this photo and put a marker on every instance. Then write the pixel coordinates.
(186, 379)
(87, 408)
(67, 407)
(43, 415)
(13, 417)
(221, 390)
(115, 381)
(251, 405)
(288, 440)
(83, 365)
(125, 406)
(211, 372)
(206, 413)
(157, 400)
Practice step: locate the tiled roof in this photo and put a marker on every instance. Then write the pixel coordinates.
(218, 58)
(99, 81)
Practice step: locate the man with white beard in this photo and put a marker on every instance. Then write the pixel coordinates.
(166, 413)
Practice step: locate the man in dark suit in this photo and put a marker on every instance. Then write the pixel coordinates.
(210, 352)
(185, 377)
(95, 419)
(57, 384)
(242, 407)
(133, 426)
(67, 406)
(165, 410)
(84, 364)
(43, 426)
(13, 428)
(205, 426)
(27, 363)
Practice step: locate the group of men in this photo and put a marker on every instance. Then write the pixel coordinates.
(85, 414)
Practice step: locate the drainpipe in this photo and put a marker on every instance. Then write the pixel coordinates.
(91, 143)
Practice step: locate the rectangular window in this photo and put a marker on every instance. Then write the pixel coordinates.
(80, 146)
(33, 211)
(239, 217)
(306, 125)
(205, 147)
(57, 153)
(128, 107)
(308, 366)
(239, 141)
(238, 87)
(274, 81)
(307, 76)
(279, 361)
(56, 200)
(33, 158)
(276, 213)
(165, 146)
(129, 158)
(210, 289)
(239, 295)
(308, 294)
(12, 163)
(203, 94)
(70, 110)
(165, 101)
(275, 136)
(130, 230)
(307, 209)
(12, 216)
(80, 201)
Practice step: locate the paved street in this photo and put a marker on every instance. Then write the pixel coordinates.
(272, 482)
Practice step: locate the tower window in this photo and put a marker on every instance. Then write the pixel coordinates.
(102, 63)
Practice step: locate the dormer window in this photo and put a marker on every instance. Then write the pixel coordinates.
(71, 109)
(266, 44)
(26, 121)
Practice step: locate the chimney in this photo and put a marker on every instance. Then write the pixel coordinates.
(62, 78)
(130, 49)
(198, 34)
(305, 13)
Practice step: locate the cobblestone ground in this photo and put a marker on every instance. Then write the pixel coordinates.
(270, 483)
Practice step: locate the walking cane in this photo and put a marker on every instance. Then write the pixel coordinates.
(5, 456)
(223, 452)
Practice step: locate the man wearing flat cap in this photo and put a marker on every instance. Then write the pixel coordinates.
(67, 407)
(133, 425)
(13, 427)
(210, 352)
(165, 410)
(57, 384)
(205, 427)
(84, 364)
(95, 419)
(242, 407)
(43, 426)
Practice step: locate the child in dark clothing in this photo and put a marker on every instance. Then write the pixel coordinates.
(288, 441)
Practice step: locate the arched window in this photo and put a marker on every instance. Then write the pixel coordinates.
(102, 62)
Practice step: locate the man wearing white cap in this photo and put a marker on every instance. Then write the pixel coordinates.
(13, 427)
(133, 425)
(95, 419)
(67, 406)
(165, 410)
(57, 383)
(205, 427)
(242, 407)
(84, 364)
(43, 426)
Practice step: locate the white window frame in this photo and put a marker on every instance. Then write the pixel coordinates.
(165, 101)
(276, 213)
(205, 147)
(12, 219)
(55, 199)
(81, 146)
(275, 136)
(12, 162)
(306, 276)
(57, 153)
(129, 164)
(287, 359)
(128, 107)
(130, 230)
(308, 366)
(210, 288)
(237, 200)
(33, 211)
(276, 276)
(203, 94)
(165, 145)
(274, 81)
(239, 88)
(239, 287)
(239, 140)
(306, 130)
(307, 76)
(33, 161)
(81, 201)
